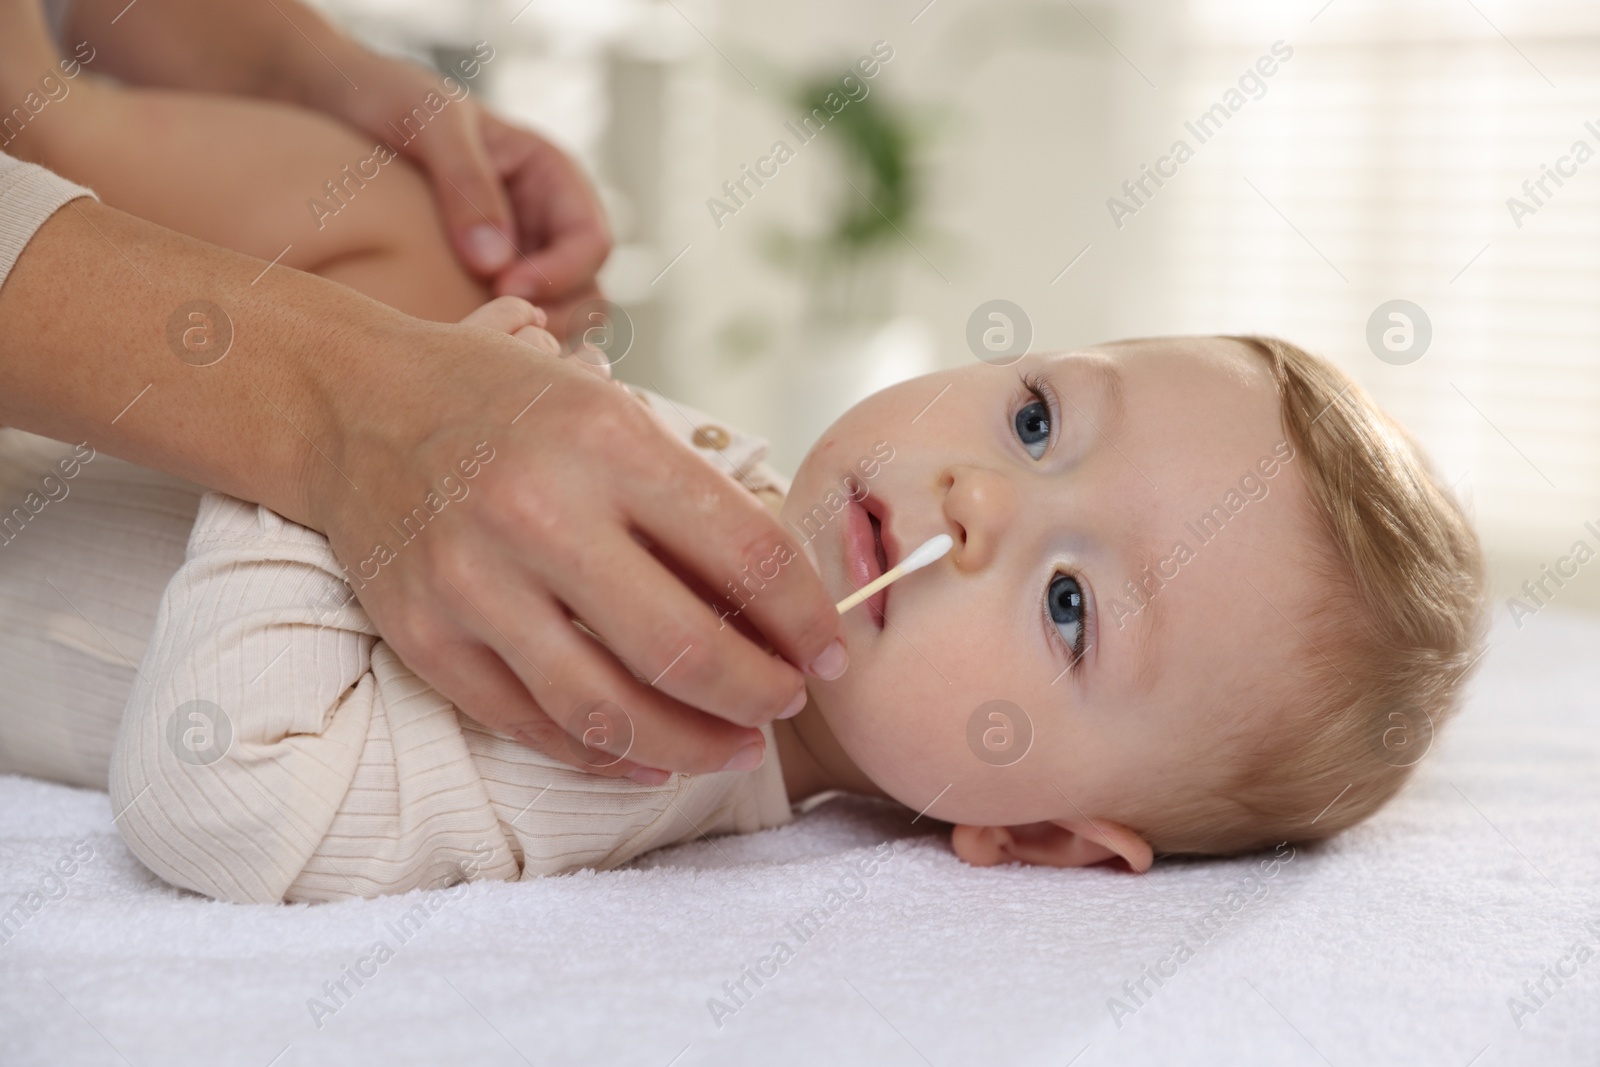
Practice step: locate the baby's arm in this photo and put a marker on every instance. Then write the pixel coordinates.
(275, 749)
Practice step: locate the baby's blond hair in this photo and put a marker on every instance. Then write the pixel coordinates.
(1397, 630)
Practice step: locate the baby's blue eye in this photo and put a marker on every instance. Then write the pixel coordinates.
(1032, 423)
(1064, 600)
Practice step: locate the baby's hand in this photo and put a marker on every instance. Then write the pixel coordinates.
(525, 322)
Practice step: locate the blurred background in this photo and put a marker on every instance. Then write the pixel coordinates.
(1383, 158)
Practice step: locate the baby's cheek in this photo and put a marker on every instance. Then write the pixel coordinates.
(985, 740)
(918, 744)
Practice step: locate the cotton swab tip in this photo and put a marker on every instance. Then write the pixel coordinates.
(932, 549)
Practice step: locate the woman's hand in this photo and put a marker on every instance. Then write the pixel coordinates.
(574, 493)
(518, 210)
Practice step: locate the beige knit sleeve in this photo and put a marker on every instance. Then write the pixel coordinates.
(28, 196)
(274, 749)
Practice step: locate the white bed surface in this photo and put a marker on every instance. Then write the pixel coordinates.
(1399, 943)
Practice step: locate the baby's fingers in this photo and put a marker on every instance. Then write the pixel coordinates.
(506, 314)
(515, 316)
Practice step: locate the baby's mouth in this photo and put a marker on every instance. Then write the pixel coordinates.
(864, 556)
(878, 603)
(877, 542)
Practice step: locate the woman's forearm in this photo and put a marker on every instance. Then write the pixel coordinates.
(182, 356)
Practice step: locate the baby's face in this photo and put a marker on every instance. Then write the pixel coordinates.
(1054, 507)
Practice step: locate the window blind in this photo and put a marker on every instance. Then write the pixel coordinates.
(1378, 165)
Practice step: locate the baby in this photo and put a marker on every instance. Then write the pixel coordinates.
(1204, 597)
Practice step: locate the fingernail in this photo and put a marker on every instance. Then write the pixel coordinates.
(795, 706)
(747, 758)
(488, 247)
(649, 776)
(831, 663)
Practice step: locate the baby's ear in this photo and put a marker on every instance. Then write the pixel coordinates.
(1064, 843)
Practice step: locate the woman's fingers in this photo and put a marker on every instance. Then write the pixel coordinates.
(561, 226)
(484, 681)
(601, 712)
(747, 556)
(472, 199)
(681, 646)
(468, 185)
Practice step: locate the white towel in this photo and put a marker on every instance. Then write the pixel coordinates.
(1404, 941)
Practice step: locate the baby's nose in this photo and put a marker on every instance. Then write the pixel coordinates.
(981, 505)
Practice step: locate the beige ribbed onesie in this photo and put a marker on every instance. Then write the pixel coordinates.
(343, 773)
(268, 745)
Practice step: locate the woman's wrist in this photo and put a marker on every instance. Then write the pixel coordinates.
(322, 366)
(159, 349)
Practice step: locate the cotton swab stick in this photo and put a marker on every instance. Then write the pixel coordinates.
(932, 549)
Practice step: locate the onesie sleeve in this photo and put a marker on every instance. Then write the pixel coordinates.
(275, 749)
(29, 195)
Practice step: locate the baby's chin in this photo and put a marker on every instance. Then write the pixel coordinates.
(853, 728)
(847, 720)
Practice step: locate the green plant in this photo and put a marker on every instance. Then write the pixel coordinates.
(848, 263)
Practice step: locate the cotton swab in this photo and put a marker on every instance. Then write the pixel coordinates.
(930, 550)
